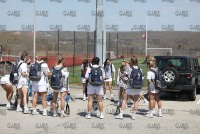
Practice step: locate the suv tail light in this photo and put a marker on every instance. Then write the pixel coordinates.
(189, 76)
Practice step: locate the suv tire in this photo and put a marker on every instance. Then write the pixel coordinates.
(171, 76)
(192, 95)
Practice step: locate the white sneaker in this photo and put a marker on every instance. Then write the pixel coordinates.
(88, 116)
(104, 97)
(26, 111)
(19, 109)
(63, 115)
(34, 112)
(44, 113)
(49, 103)
(101, 116)
(84, 98)
(9, 106)
(133, 117)
(159, 114)
(154, 113)
(119, 116)
(55, 114)
(150, 115)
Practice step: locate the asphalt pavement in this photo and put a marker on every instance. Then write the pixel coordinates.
(179, 116)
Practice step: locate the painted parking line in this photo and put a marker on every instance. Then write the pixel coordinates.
(198, 102)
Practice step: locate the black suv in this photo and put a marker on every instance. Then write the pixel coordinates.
(181, 74)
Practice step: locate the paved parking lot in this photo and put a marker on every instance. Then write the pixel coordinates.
(179, 116)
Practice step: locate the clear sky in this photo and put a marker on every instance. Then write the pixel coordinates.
(121, 15)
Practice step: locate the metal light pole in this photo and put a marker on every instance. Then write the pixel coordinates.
(146, 37)
(34, 36)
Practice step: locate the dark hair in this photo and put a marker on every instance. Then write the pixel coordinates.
(24, 55)
(44, 59)
(134, 61)
(106, 62)
(95, 61)
(122, 67)
(85, 63)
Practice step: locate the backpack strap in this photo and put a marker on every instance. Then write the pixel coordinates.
(19, 65)
(153, 81)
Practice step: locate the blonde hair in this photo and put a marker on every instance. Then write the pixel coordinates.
(151, 62)
(59, 59)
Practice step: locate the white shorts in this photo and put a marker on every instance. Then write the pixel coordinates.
(61, 90)
(23, 83)
(5, 80)
(38, 88)
(107, 80)
(133, 91)
(83, 80)
(95, 90)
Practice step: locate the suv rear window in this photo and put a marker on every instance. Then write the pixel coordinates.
(171, 62)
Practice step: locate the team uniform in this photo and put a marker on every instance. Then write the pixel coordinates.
(65, 75)
(109, 69)
(129, 89)
(94, 89)
(23, 80)
(41, 85)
